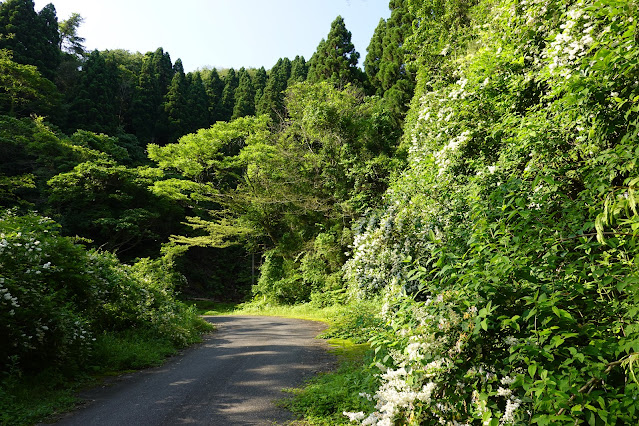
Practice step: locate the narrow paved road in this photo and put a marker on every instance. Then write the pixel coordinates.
(231, 379)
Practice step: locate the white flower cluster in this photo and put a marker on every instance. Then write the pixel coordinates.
(377, 254)
(394, 396)
(443, 156)
(7, 299)
(572, 43)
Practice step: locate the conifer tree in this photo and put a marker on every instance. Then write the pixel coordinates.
(128, 67)
(175, 104)
(375, 51)
(386, 65)
(227, 101)
(214, 87)
(147, 109)
(95, 105)
(244, 96)
(49, 40)
(299, 70)
(197, 103)
(259, 84)
(32, 38)
(145, 105)
(335, 59)
(272, 102)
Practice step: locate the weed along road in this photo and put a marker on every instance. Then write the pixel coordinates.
(233, 378)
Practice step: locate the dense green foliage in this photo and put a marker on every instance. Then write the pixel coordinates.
(508, 248)
(292, 191)
(58, 297)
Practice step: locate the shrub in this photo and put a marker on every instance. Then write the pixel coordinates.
(56, 297)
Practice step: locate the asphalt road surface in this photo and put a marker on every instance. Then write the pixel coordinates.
(233, 378)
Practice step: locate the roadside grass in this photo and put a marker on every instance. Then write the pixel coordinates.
(26, 400)
(211, 307)
(306, 311)
(323, 399)
(29, 399)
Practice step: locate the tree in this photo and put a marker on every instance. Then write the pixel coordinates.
(244, 96)
(227, 101)
(375, 52)
(259, 84)
(214, 87)
(299, 70)
(33, 38)
(335, 59)
(23, 90)
(70, 41)
(128, 66)
(175, 104)
(49, 41)
(395, 78)
(197, 103)
(95, 105)
(272, 101)
(148, 119)
(111, 204)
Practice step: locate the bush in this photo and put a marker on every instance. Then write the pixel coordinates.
(56, 297)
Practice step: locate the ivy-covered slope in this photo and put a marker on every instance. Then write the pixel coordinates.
(508, 247)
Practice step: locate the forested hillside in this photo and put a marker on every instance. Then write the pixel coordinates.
(475, 184)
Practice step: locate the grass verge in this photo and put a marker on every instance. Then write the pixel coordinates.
(324, 398)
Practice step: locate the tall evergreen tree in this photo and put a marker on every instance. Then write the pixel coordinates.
(214, 87)
(244, 96)
(175, 104)
(272, 102)
(128, 66)
(145, 104)
(149, 122)
(94, 106)
(49, 41)
(33, 38)
(386, 65)
(197, 103)
(335, 59)
(299, 70)
(259, 84)
(227, 101)
(375, 52)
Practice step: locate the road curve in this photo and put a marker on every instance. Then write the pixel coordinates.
(232, 378)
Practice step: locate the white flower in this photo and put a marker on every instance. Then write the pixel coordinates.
(354, 417)
(425, 394)
(509, 414)
(507, 380)
(505, 392)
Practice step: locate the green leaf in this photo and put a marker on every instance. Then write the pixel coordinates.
(532, 369)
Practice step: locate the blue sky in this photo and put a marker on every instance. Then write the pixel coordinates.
(221, 33)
